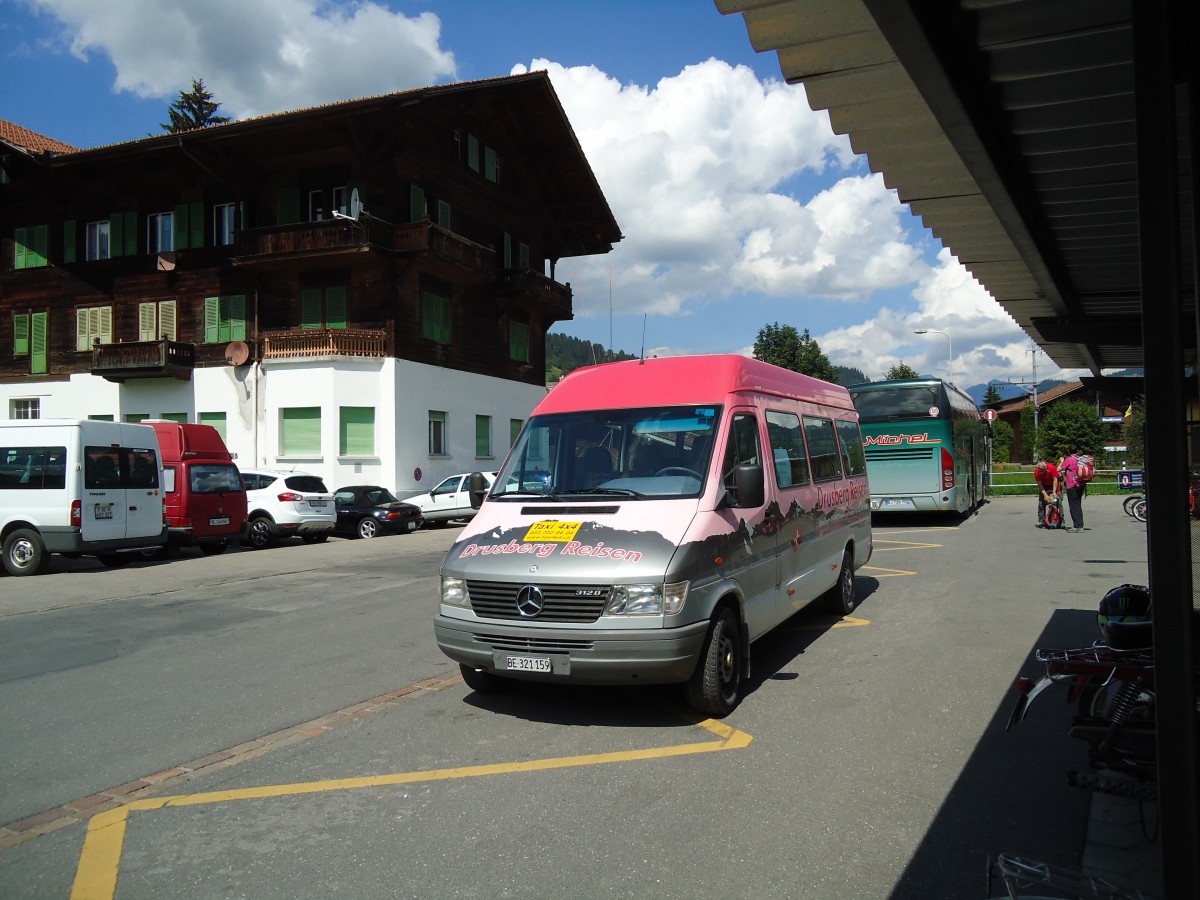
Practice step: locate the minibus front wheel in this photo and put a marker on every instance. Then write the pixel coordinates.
(24, 553)
(717, 681)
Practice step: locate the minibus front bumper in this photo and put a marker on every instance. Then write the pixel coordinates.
(580, 656)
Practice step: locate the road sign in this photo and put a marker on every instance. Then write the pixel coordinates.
(1131, 479)
(990, 415)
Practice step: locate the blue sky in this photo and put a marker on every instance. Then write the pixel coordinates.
(739, 206)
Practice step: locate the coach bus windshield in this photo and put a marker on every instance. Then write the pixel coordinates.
(908, 401)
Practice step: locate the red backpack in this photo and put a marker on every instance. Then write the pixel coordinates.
(1086, 470)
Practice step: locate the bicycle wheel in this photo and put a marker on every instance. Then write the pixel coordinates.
(1139, 510)
(1127, 503)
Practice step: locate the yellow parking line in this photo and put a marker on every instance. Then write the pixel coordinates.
(887, 573)
(905, 545)
(100, 860)
(915, 530)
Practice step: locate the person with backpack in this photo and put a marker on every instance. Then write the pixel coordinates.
(1046, 476)
(1076, 470)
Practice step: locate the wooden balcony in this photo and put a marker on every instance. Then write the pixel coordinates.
(144, 359)
(446, 248)
(324, 342)
(306, 244)
(538, 288)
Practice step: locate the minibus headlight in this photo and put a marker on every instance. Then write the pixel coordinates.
(454, 592)
(646, 599)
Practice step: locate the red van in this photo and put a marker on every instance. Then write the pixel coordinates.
(204, 500)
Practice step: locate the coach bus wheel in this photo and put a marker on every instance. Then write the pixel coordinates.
(714, 686)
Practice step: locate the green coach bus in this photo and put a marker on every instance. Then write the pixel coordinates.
(926, 445)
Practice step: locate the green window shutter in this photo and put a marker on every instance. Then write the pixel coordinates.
(310, 308)
(181, 418)
(483, 435)
(356, 434)
(518, 341)
(131, 234)
(135, 417)
(287, 205)
(40, 250)
(335, 307)
(179, 227)
(212, 319)
(68, 255)
(473, 152)
(39, 324)
(195, 226)
(514, 430)
(237, 317)
(101, 417)
(523, 256)
(444, 215)
(416, 203)
(507, 250)
(20, 334)
(147, 321)
(301, 431)
(116, 234)
(491, 165)
(435, 318)
(21, 248)
(215, 419)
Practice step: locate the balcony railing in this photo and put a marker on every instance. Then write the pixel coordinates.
(445, 245)
(143, 359)
(301, 238)
(537, 287)
(324, 342)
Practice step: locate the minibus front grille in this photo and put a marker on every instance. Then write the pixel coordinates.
(529, 644)
(569, 510)
(563, 602)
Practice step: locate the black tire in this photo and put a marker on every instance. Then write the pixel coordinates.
(163, 552)
(481, 681)
(715, 685)
(314, 538)
(214, 548)
(25, 553)
(261, 533)
(839, 599)
(1139, 510)
(116, 560)
(1127, 503)
(366, 528)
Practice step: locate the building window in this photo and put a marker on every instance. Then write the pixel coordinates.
(300, 431)
(491, 165)
(514, 430)
(518, 341)
(437, 433)
(156, 321)
(29, 247)
(160, 232)
(26, 408)
(97, 241)
(135, 417)
(323, 307)
(341, 200)
(100, 417)
(215, 419)
(483, 436)
(180, 417)
(92, 324)
(224, 223)
(435, 317)
(473, 152)
(356, 431)
(316, 206)
(224, 319)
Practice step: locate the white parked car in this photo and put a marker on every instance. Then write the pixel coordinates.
(449, 500)
(281, 503)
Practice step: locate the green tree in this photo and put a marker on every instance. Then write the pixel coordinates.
(900, 370)
(1135, 429)
(1002, 441)
(782, 346)
(194, 109)
(1029, 434)
(848, 375)
(992, 395)
(1072, 422)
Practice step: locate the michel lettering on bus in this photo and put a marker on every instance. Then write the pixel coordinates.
(886, 439)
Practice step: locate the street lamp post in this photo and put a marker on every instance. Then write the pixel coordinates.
(948, 341)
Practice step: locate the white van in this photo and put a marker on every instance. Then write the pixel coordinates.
(653, 519)
(78, 487)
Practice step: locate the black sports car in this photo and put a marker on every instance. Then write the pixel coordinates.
(367, 510)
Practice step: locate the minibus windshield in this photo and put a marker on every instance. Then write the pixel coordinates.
(644, 453)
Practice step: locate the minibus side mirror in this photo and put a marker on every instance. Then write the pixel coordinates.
(477, 487)
(748, 490)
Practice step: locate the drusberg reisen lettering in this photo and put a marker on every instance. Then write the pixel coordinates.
(572, 548)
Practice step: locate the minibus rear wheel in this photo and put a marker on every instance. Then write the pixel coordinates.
(840, 598)
(717, 681)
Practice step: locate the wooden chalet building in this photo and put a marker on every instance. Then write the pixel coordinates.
(360, 290)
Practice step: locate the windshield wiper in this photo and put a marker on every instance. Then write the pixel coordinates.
(619, 492)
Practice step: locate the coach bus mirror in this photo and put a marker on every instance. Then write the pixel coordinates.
(477, 488)
(748, 489)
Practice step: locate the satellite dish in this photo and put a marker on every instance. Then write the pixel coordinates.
(355, 204)
(166, 261)
(237, 353)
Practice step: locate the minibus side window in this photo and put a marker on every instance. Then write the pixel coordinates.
(742, 446)
(101, 468)
(822, 448)
(854, 460)
(787, 449)
(33, 468)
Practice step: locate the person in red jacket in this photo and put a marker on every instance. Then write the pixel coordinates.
(1046, 476)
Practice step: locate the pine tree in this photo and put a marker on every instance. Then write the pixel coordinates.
(194, 109)
(900, 370)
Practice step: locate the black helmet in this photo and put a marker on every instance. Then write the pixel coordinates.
(1125, 617)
